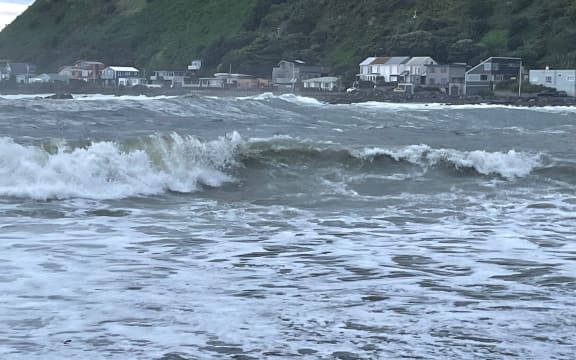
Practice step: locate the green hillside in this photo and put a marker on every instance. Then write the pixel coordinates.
(253, 35)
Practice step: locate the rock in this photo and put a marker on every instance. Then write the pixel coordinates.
(60, 97)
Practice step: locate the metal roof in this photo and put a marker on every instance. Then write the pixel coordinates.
(421, 60)
(123, 68)
(397, 60)
(367, 61)
(322, 79)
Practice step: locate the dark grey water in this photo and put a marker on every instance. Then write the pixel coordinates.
(282, 228)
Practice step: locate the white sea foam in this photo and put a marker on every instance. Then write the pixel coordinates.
(299, 100)
(392, 106)
(121, 97)
(509, 164)
(106, 170)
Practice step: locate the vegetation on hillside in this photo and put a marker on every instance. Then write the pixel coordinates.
(253, 35)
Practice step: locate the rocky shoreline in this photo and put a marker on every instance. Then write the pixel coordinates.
(367, 95)
(528, 100)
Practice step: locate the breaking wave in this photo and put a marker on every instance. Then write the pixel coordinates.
(108, 170)
(161, 163)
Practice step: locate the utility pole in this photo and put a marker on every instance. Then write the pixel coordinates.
(520, 79)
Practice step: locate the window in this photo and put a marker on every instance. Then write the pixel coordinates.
(499, 77)
(443, 70)
(432, 69)
(488, 67)
(548, 78)
(483, 77)
(571, 78)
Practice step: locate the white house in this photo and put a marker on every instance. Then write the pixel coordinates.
(130, 76)
(373, 67)
(388, 69)
(195, 65)
(327, 83)
(561, 80)
(417, 68)
(394, 70)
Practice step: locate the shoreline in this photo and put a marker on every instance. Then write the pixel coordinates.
(363, 96)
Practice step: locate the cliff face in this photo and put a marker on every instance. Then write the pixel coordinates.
(253, 35)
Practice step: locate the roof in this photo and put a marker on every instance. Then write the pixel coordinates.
(21, 68)
(123, 68)
(367, 61)
(89, 62)
(421, 60)
(322, 79)
(397, 60)
(380, 60)
(514, 59)
(231, 76)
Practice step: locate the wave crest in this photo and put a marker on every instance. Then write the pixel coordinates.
(510, 165)
(109, 170)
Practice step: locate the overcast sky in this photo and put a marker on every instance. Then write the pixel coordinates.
(9, 9)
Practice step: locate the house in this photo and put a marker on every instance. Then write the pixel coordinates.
(449, 77)
(171, 78)
(327, 83)
(196, 65)
(49, 79)
(371, 68)
(4, 70)
(233, 81)
(394, 69)
(417, 68)
(561, 80)
(483, 78)
(122, 75)
(83, 70)
(290, 74)
(19, 71)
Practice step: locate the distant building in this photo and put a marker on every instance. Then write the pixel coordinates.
(233, 81)
(327, 83)
(449, 77)
(195, 65)
(483, 78)
(372, 68)
(83, 70)
(417, 68)
(21, 72)
(171, 78)
(395, 69)
(122, 76)
(561, 80)
(290, 74)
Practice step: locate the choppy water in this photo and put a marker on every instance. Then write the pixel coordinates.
(283, 228)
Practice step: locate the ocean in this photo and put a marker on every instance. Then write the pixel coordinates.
(279, 227)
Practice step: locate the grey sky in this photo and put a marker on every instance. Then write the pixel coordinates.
(10, 9)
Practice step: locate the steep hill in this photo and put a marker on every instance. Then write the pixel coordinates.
(253, 35)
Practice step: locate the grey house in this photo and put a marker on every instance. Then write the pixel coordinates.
(20, 71)
(449, 77)
(482, 78)
(290, 74)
